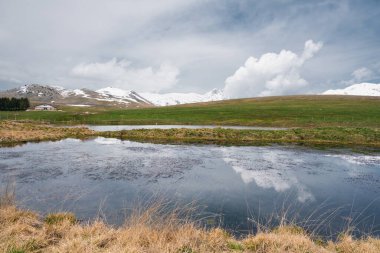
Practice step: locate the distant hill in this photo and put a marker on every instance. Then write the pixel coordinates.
(360, 89)
(109, 96)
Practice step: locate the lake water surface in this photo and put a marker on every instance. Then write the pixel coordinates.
(133, 127)
(233, 186)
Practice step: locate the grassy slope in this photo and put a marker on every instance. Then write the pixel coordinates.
(288, 111)
(24, 231)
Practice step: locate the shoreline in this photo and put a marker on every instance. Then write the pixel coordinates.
(16, 132)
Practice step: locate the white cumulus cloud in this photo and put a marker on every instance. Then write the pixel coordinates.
(271, 74)
(120, 74)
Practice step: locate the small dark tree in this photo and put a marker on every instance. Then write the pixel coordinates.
(14, 104)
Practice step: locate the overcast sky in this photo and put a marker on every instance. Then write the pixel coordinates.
(249, 48)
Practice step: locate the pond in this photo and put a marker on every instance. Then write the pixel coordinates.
(233, 187)
(133, 127)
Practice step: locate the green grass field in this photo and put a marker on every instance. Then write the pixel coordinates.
(287, 111)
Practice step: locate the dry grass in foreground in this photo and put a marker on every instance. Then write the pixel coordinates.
(151, 231)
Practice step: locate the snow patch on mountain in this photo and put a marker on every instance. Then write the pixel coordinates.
(183, 98)
(23, 89)
(121, 95)
(76, 92)
(360, 89)
(116, 92)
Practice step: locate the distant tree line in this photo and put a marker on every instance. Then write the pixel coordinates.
(14, 104)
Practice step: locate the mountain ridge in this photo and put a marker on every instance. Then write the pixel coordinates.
(116, 97)
(109, 96)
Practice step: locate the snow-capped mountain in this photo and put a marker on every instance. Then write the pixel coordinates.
(183, 98)
(112, 94)
(360, 89)
(78, 97)
(106, 97)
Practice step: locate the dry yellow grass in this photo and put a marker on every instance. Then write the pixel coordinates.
(25, 231)
(13, 131)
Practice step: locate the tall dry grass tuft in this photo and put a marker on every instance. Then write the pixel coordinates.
(155, 228)
(7, 195)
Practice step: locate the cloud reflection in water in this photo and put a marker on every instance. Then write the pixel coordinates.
(268, 169)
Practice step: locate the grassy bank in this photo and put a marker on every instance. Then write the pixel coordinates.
(16, 132)
(328, 136)
(287, 111)
(26, 231)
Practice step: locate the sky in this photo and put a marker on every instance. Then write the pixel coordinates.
(246, 48)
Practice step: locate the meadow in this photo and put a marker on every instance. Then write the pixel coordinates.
(286, 111)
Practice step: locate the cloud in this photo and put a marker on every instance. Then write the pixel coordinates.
(362, 74)
(121, 74)
(207, 40)
(358, 77)
(271, 74)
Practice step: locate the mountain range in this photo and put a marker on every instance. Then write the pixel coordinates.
(48, 94)
(110, 96)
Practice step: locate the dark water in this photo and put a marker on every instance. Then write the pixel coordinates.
(233, 186)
